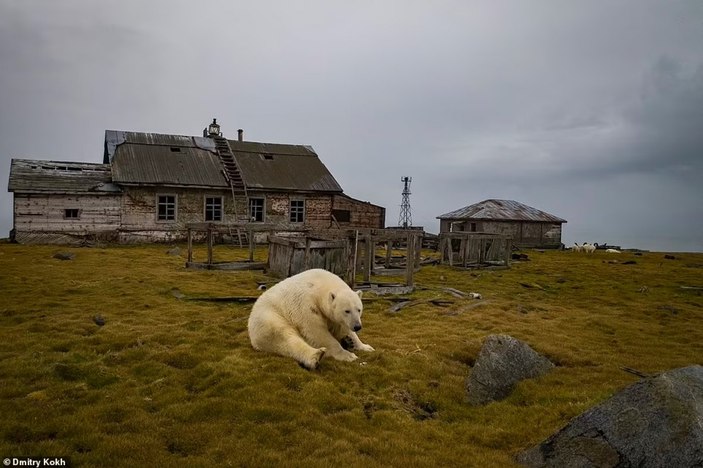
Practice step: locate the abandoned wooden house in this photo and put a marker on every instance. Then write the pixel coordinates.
(150, 186)
(527, 226)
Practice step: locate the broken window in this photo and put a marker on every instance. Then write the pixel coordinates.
(256, 209)
(166, 208)
(71, 213)
(342, 216)
(297, 211)
(213, 208)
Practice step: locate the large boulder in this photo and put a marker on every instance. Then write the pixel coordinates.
(502, 362)
(656, 422)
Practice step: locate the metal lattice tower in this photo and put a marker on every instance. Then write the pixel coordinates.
(405, 220)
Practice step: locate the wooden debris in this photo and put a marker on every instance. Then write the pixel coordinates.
(635, 372)
(437, 302)
(175, 292)
(531, 286)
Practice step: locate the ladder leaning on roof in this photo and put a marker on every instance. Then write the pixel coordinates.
(233, 175)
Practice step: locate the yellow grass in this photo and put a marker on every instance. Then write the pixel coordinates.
(172, 382)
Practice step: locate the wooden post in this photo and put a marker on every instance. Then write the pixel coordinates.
(409, 260)
(355, 250)
(251, 244)
(450, 248)
(367, 258)
(418, 250)
(190, 245)
(306, 262)
(389, 248)
(507, 251)
(209, 244)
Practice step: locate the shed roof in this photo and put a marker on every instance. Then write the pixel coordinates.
(270, 166)
(501, 210)
(30, 176)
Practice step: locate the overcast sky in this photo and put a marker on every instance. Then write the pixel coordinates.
(589, 110)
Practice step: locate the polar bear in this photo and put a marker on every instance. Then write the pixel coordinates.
(306, 316)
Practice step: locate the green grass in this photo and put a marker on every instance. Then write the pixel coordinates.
(168, 382)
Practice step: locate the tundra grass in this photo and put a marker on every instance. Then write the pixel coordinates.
(172, 382)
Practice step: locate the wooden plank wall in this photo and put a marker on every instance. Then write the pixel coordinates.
(45, 213)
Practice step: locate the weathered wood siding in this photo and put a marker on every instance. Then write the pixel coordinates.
(98, 215)
(524, 233)
(362, 214)
(288, 257)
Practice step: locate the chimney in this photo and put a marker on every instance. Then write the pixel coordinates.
(240, 134)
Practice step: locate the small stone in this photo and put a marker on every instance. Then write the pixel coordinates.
(64, 255)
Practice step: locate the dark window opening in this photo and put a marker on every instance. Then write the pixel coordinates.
(166, 208)
(213, 208)
(297, 211)
(268, 157)
(71, 213)
(342, 216)
(175, 149)
(256, 209)
(473, 227)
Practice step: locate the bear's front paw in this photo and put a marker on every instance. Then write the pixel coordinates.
(347, 356)
(365, 347)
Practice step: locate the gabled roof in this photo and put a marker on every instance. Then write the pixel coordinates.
(30, 176)
(270, 166)
(156, 159)
(153, 158)
(501, 210)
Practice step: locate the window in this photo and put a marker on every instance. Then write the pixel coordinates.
(71, 213)
(213, 208)
(175, 149)
(473, 227)
(166, 208)
(256, 209)
(297, 211)
(342, 216)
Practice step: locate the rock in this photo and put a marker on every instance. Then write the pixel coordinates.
(655, 422)
(502, 362)
(65, 255)
(99, 320)
(174, 251)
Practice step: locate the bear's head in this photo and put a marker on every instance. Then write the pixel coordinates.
(346, 308)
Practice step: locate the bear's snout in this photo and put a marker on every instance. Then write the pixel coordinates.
(357, 327)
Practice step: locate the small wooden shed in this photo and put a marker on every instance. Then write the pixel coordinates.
(289, 256)
(527, 226)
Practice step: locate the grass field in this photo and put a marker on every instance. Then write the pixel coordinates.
(172, 382)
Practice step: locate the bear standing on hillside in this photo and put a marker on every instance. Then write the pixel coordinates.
(306, 316)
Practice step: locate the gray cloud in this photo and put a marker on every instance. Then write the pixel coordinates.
(589, 110)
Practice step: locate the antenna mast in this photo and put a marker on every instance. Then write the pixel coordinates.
(405, 220)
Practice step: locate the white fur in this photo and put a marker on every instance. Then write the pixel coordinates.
(576, 247)
(612, 251)
(306, 316)
(588, 248)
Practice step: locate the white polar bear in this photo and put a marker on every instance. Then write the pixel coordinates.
(306, 316)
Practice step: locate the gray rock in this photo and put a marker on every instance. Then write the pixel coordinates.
(175, 251)
(502, 362)
(656, 422)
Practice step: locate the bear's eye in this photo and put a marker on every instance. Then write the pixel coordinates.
(347, 311)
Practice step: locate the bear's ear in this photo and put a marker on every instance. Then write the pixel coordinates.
(360, 293)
